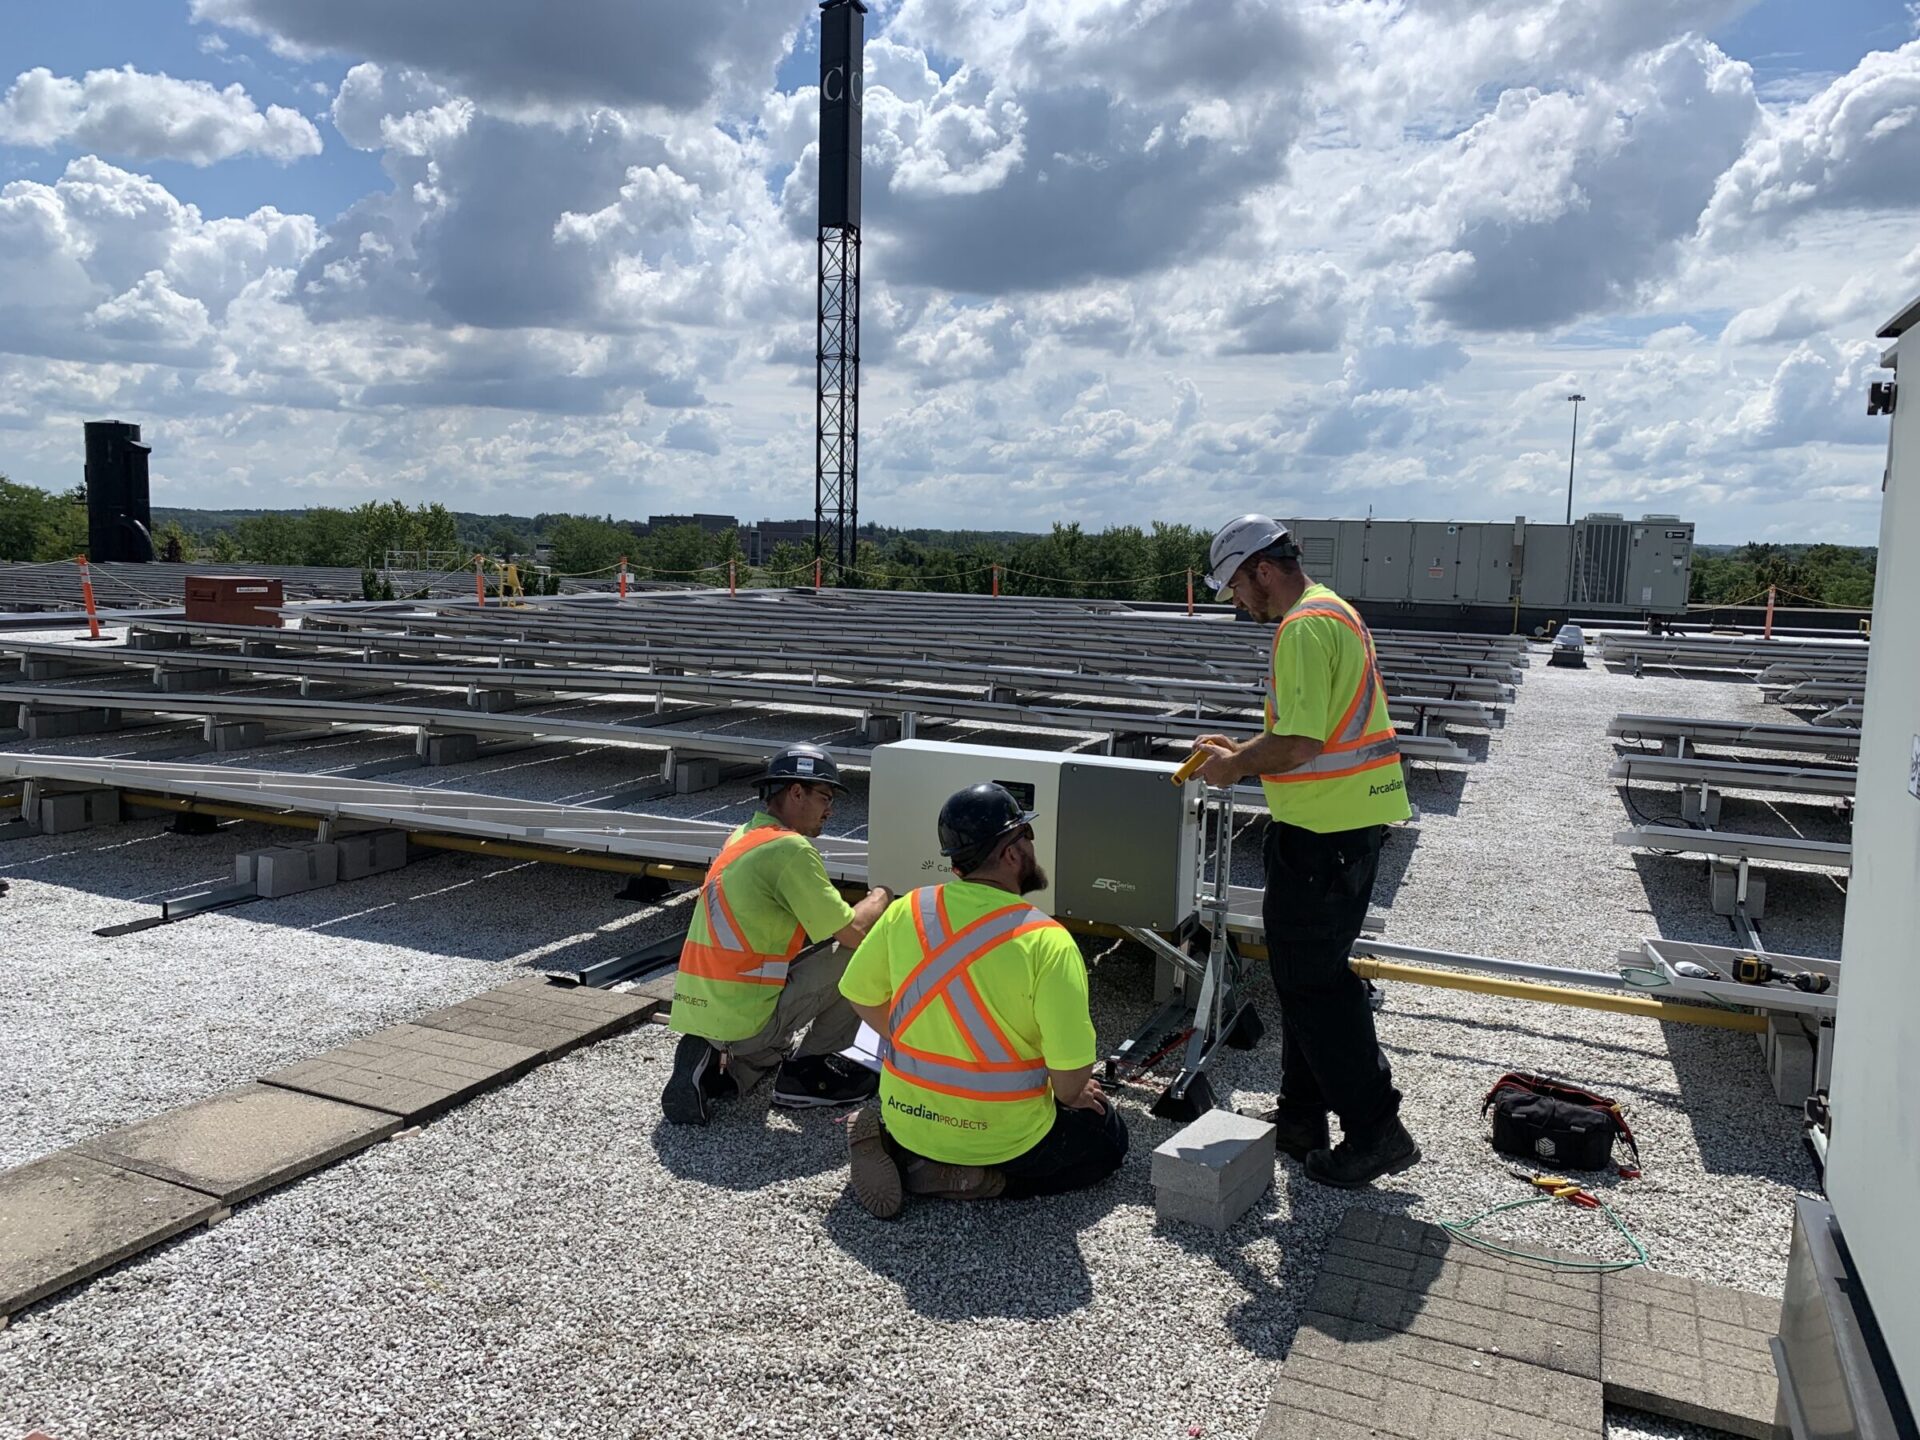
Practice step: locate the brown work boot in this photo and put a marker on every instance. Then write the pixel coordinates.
(874, 1171)
(939, 1180)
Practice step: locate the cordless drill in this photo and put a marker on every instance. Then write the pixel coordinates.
(1753, 970)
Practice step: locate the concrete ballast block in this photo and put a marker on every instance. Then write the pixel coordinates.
(187, 682)
(690, 776)
(489, 701)
(450, 749)
(1215, 1157)
(78, 810)
(241, 735)
(1790, 1066)
(1214, 1214)
(58, 724)
(373, 853)
(288, 869)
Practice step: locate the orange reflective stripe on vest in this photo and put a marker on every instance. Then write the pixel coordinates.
(1351, 748)
(725, 954)
(991, 1071)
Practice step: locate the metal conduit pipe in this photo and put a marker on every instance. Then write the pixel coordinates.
(1487, 964)
(1362, 965)
(1558, 995)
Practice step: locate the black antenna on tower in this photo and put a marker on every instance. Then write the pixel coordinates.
(836, 444)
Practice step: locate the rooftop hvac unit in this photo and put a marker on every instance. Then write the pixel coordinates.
(1603, 547)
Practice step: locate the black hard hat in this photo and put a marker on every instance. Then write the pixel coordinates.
(801, 764)
(975, 818)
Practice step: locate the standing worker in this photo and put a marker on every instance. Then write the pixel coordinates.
(744, 990)
(980, 1000)
(1330, 765)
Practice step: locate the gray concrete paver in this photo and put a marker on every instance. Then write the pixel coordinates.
(68, 1217)
(236, 1144)
(411, 1071)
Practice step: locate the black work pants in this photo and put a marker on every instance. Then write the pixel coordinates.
(1083, 1148)
(1318, 889)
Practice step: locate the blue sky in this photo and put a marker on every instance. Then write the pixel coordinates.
(1310, 257)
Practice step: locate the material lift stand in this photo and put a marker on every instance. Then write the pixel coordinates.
(1203, 956)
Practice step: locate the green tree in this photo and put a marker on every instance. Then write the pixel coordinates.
(35, 525)
(582, 544)
(679, 552)
(275, 538)
(330, 537)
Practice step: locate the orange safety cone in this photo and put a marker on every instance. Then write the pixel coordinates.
(86, 597)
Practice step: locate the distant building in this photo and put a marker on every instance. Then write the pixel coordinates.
(711, 524)
(759, 541)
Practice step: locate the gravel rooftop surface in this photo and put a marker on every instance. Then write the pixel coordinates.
(551, 1260)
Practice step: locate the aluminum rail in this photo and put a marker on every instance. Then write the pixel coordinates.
(1820, 739)
(1411, 705)
(1123, 648)
(1734, 775)
(461, 813)
(1732, 845)
(1665, 955)
(346, 716)
(757, 693)
(569, 829)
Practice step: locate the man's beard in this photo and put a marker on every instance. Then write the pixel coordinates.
(1032, 877)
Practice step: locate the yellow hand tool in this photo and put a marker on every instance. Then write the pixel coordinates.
(1190, 766)
(1561, 1188)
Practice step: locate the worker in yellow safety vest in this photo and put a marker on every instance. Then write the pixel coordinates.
(980, 1000)
(747, 984)
(1329, 762)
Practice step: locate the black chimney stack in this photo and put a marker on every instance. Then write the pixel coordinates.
(119, 516)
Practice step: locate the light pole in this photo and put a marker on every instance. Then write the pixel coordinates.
(1572, 450)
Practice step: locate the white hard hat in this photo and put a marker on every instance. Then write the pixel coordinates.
(1239, 541)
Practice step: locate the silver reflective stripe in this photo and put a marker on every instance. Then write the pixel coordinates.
(770, 970)
(722, 931)
(926, 902)
(959, 1077)
(1328, 761)
(942, 966)
(974, 1022)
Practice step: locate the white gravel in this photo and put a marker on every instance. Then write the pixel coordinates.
(550, 1261)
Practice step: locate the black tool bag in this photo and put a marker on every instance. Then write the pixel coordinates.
(1557, 1126)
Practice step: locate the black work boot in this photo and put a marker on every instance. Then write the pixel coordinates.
(1298, 1132)
(696, 1082)
(1357, 1162)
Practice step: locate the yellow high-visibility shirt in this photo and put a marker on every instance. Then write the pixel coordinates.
(987, 995)
(1325, 685)
(774, 896)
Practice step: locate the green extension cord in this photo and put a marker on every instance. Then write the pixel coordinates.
(1460, 1230)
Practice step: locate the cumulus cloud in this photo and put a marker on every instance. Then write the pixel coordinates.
(1558, 204)
(679, 56)
(1071, 142)
(150, 117)
(1855, 145)
(1290, 307)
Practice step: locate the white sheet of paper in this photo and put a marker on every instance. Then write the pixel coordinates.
(865, 1049)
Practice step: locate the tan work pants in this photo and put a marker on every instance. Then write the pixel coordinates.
(811, 1001)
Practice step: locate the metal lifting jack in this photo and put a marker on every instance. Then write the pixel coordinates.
(1218, 1011)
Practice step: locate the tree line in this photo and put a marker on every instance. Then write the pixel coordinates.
(1123, 562)
(1828, 574)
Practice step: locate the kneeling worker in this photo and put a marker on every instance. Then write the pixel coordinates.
(741, 995)
(987, 1085)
